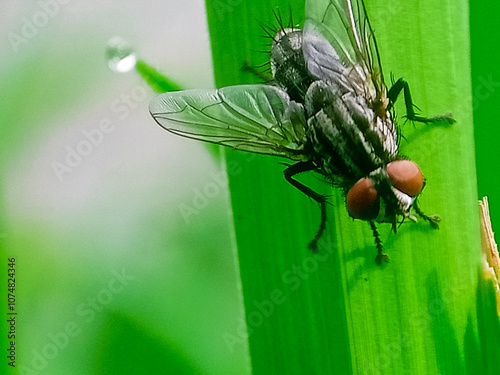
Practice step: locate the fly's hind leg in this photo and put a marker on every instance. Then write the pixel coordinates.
(402, 85)
(321, 199)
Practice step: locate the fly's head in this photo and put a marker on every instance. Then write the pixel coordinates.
(386, 193)
(381, 106)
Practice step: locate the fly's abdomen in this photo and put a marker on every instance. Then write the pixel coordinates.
(288, 65)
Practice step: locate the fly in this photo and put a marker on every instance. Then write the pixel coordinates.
(327, 108)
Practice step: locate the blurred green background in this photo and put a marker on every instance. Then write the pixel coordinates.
(485, 76)
(122, 233)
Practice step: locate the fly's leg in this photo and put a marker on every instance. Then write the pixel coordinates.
(249, 68)
(432, 219)
(402, 85)
(381, 255)
(304, 166)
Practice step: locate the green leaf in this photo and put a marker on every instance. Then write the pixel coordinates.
(485, 96)
(337, 312)
(127, 346)
(157, 81)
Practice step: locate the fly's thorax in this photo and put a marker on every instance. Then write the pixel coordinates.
(288, 65)
(344, 138)
(386, 192)
(320, 95)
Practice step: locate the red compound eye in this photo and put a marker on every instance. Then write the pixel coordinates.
(406, 176)
(362, 200)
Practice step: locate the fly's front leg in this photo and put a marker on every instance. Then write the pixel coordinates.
(381, 254)
(402, 85)
(432, 219)
(304, 166)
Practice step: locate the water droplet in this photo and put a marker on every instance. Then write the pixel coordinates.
(120, 55)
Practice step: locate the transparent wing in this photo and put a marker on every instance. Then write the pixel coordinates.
(346, 27)
(255, 118)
